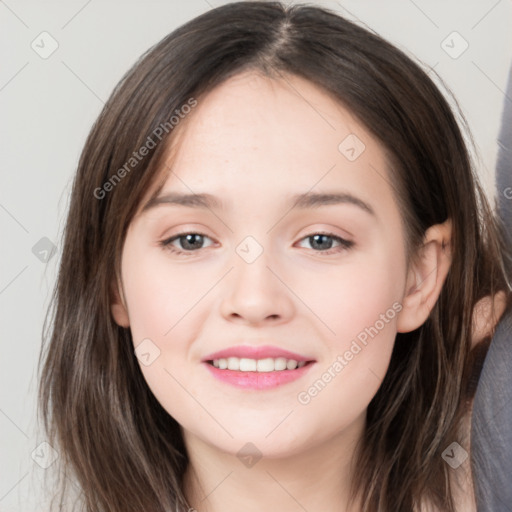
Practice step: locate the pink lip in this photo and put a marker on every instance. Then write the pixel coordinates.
(262, 352)
(258, 380)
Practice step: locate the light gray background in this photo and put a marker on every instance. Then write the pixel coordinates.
(47, 107)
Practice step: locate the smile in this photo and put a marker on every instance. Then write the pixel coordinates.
(256, 374)
(268, 364)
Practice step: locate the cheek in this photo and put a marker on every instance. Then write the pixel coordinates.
(160, 297)
(359, 303)
(166, 310)
(352, 297)
(159, 294)
(363, 315)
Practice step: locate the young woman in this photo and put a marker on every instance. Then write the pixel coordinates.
(275, 245)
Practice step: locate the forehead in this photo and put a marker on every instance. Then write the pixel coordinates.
(253, 134)
(279, 114)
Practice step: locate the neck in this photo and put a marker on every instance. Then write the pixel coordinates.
(316, 478)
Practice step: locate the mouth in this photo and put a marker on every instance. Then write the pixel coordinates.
(257, 374)
(257, 368)
(266, 365)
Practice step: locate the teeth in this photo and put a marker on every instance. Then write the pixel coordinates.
(280, 364)
(257, 365)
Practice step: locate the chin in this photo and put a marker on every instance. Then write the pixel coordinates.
(258, 441)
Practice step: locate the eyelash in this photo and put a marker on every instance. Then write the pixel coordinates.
(344, 244)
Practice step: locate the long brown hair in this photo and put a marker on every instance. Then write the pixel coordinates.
(124, 451)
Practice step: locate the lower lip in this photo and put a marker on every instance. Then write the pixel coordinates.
(258, 380)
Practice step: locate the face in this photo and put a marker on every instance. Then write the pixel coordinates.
(299, 256)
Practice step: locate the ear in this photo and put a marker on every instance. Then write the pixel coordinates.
(118, 306)
(426, 276)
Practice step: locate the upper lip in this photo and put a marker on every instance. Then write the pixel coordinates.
(255, 352)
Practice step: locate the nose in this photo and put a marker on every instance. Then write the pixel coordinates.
(255, 293)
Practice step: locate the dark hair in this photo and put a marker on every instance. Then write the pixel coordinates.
(123, 449)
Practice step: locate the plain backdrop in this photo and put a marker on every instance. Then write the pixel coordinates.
(49, 102)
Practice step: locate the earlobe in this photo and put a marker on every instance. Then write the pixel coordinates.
(426, 277)
(118, 307)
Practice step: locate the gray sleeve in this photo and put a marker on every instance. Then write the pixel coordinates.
(504, 164)
(491, 438)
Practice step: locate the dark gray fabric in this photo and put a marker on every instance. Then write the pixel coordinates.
(492, 425)
(504, 165)
(492, 410)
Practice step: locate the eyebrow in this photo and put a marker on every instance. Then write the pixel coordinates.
(301, 201)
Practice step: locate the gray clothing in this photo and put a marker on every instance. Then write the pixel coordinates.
(492, 410)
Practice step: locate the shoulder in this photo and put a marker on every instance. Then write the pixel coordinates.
(492, 421)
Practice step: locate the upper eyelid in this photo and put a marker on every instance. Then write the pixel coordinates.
(311, 233)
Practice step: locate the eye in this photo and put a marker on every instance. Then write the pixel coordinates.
(324, 242)
(189, 242)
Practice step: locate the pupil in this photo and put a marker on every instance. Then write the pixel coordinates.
(317, 240)
(190, 239)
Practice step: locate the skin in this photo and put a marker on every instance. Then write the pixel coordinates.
(487, 313)
(253, 142)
